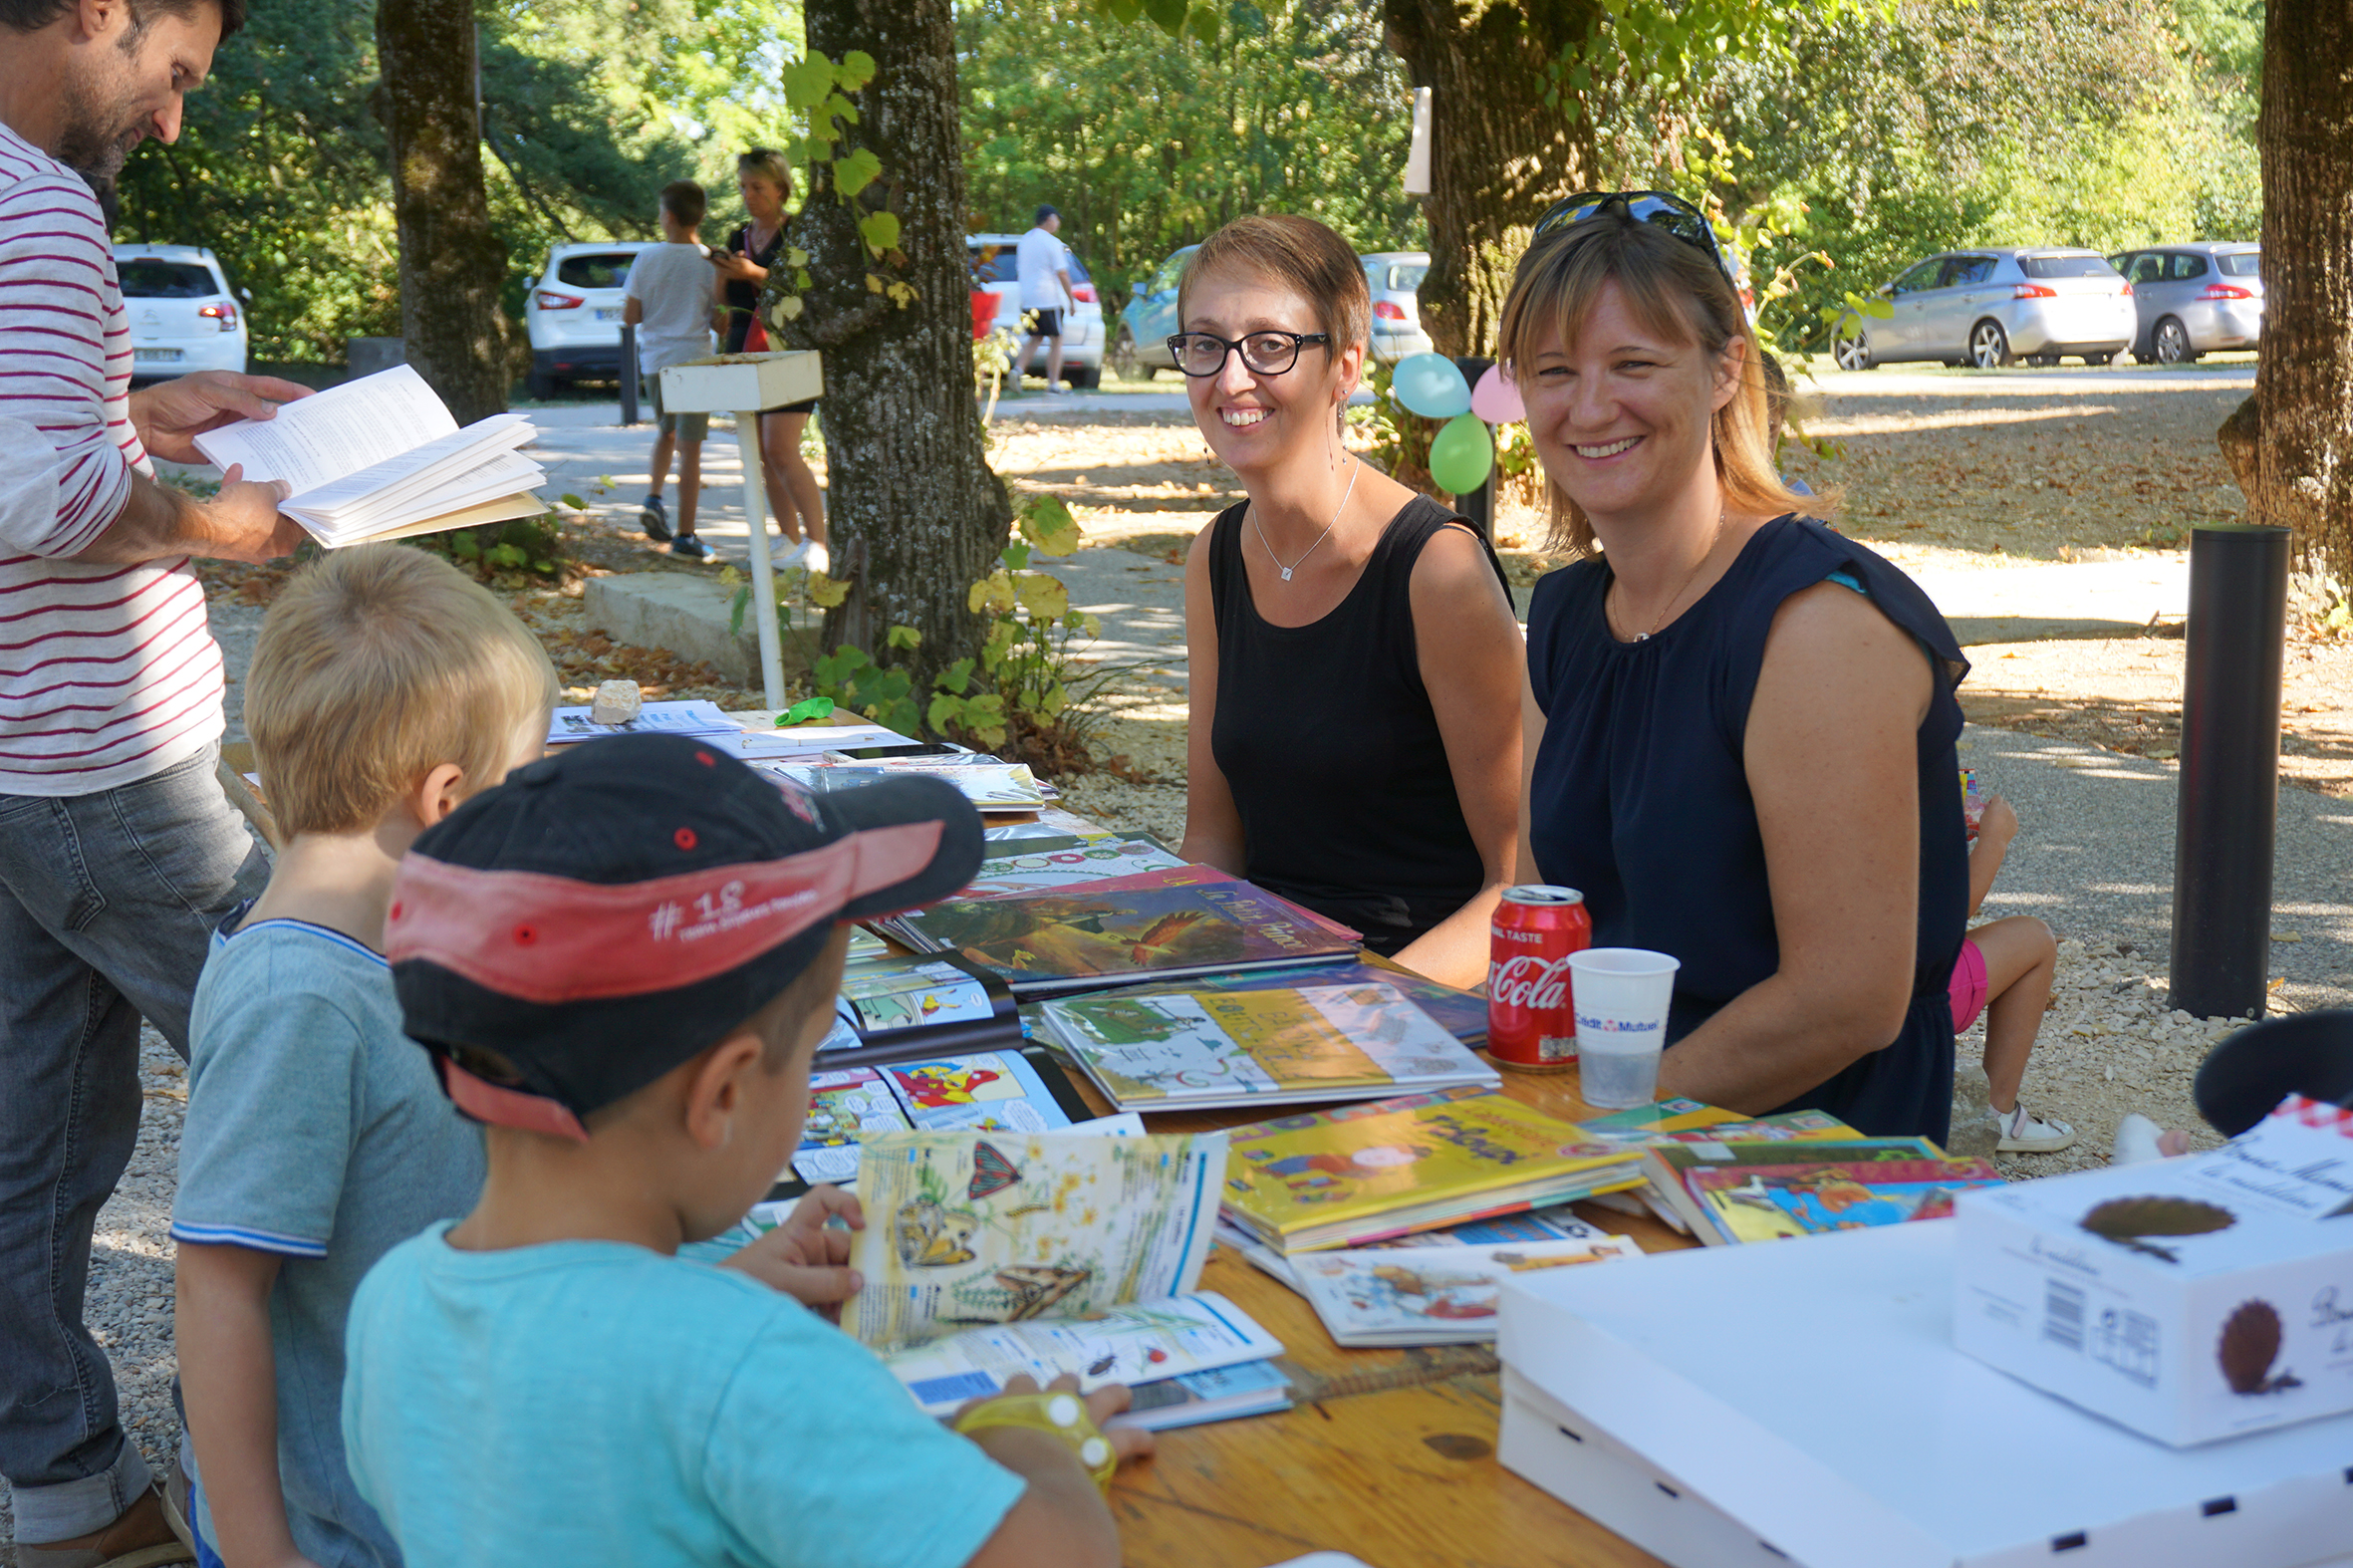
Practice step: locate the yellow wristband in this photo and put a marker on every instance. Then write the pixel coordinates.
(1059, 1414)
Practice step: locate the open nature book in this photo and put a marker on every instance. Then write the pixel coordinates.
(382, 458)
(966, 1229)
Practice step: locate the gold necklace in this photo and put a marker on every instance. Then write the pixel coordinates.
(1705, 557)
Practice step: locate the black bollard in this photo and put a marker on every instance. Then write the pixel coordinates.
(1477, 506)
(628, 374)
(2230, 795)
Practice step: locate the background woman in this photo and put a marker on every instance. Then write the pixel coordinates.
(1354, 663)
(744, 264)
(1740, 728)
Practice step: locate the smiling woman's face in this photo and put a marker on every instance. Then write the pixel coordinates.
(1623, 416)
(1252, 422)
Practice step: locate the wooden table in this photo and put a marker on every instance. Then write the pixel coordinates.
(1388, 1454)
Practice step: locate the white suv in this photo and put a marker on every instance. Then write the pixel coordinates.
(573, 314)
(183, 315)
(992, 259)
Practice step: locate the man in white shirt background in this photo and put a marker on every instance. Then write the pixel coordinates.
(1042, 263)
(118, 852)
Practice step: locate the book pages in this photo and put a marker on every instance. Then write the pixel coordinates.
(318, 439)
(1430, 1295)
(1142, 1343)
(965, 1229)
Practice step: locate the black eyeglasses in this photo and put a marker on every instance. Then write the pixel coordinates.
(1663, 207)
(1263, 353)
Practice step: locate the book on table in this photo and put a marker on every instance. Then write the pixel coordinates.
(1678, 1121)
(1460, 1013)
(381, 457)
(1044, 944)
(1771, 1191)
(891, 1007)
(1198, 1050)
(1378, 1296)
(1363, 1173)
(1202, 1356)
(1525, 1227)
(987, 1092)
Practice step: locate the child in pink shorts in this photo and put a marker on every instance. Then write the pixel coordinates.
(2006, 971)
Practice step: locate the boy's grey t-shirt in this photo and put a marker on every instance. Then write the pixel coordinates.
(316, 1131)
(672, 285)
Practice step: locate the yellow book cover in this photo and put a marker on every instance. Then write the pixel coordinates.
(1360, 1173)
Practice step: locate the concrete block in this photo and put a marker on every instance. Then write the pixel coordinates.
(687, 614)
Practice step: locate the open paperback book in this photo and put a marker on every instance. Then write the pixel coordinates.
(991, 1091)
(965, 1229)
(1186, 1340)
(382, 458)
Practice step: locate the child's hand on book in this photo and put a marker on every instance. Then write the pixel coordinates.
(1127, 1443)
(808, 1256)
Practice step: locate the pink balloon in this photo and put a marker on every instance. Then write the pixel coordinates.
(1496, 397)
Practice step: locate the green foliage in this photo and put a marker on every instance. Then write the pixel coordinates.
(1147, 142)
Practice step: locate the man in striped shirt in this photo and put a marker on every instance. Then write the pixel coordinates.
(118, 851)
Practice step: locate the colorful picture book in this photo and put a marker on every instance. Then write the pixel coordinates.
(1664, 1164)
(1365, 1172)
(1066, 863)
(1557, 1224)
(1462, 1014)
(1687, 1121)
(1139, 1344)
(1205, 1048)
(1045, 945)
(965, 1229)
(1430, 1295)
(896, 1008)
(994, 1092)
(1801, 1196)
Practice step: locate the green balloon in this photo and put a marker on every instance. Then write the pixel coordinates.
(1463, 454)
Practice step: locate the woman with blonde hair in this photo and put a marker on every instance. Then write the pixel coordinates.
(1740, 736)
(743, 263)
(1355, 666)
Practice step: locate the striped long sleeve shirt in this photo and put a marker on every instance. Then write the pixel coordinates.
(108, 672)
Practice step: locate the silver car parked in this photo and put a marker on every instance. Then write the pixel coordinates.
(1394, 277)
(1989, 308)
(2195, 299)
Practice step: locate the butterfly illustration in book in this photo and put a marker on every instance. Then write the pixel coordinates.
(1037, 1286)
(930, 1237)
(992, 1172)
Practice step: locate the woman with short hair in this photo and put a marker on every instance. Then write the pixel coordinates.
(1356, 668)
(1741, 730)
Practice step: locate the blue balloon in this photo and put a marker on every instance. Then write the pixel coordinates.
(1431, 385)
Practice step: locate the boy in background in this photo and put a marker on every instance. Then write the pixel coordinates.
(668, 301)
(386, 688)
(621, 961)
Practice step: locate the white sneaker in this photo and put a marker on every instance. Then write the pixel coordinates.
(2022, 1133)
(813, 555)
(798, 555)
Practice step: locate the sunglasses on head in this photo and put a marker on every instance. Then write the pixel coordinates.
(1662, 208)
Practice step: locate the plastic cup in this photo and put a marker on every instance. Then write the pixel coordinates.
(1621, 996)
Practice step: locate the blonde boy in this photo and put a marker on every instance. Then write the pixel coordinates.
(386, 689)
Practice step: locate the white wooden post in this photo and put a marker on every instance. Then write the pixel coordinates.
(747, 385)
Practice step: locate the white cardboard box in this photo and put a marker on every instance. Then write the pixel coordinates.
(2192, 1299)
(1802, 1402)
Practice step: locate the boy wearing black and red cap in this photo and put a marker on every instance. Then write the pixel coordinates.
(621, 961)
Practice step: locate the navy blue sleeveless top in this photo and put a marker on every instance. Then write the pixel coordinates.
(1331, 747)
(1639, 797)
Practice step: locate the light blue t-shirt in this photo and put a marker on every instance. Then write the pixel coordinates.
(316, 1132)
(590, 1402)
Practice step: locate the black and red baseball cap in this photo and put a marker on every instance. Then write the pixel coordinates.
(612, 911)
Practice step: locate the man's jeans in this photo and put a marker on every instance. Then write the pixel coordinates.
(108, 904)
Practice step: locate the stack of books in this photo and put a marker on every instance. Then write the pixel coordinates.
(1364, 1173)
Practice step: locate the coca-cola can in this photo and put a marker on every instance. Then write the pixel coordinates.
(1531, 1026)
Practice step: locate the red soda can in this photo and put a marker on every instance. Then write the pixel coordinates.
(1531, 1026)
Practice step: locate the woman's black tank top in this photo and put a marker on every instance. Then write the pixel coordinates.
(1331, 748)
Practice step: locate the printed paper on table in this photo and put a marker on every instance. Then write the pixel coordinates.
(1142, 1342)
(1430, 1295)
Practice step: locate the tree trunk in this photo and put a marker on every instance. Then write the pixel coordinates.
(451, 264)
(1497, 155)
(2303, 442)
(914, 512)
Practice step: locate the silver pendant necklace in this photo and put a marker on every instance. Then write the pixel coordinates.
(1712, 541)
(1353, 471)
